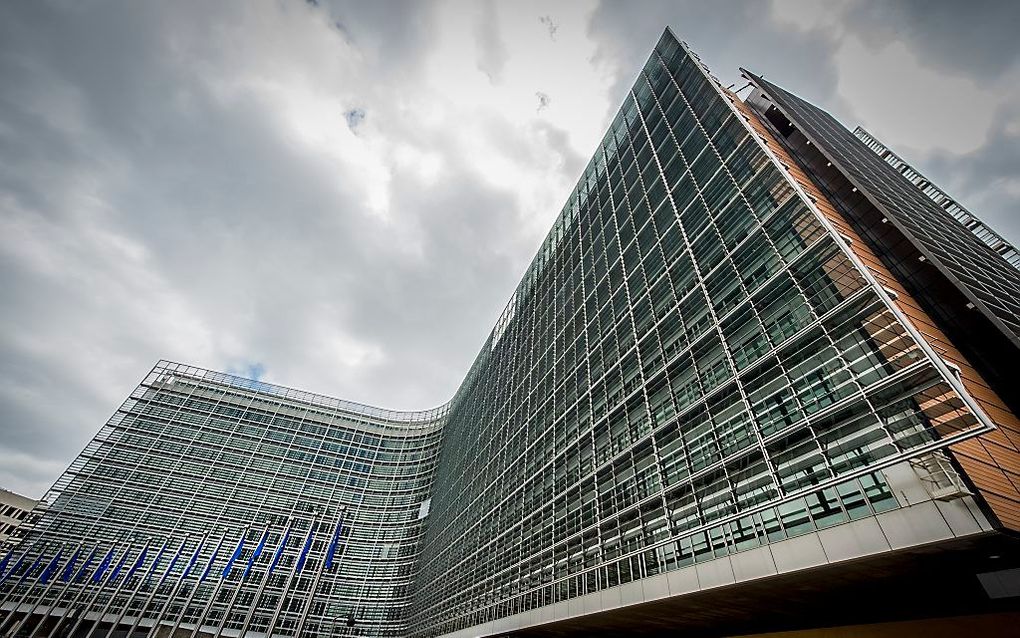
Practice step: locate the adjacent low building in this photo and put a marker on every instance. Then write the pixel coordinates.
(754, 380)
(14, 510)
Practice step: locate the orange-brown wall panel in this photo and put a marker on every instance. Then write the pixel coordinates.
(991, 461)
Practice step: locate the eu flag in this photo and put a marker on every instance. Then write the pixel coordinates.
(173, 563)
(17, 566)
(194, 559)
(255, 555)
(103, 566)
(31, 568)
(234, 556)
(138, 563)
(120, 565)
(331, 552)
(279, 550)
(47, 573)
(212, 560)
(155, 564)
(69, 568)
(85, 566)
(6, 561)
(304, 550)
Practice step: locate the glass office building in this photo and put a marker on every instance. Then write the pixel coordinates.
(716, 398)
(193, 461)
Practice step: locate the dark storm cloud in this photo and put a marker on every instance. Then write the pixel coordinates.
(392, 35)
(977, 37)
(156, 209)
(180, 180)
(987, 180)
(726, 34)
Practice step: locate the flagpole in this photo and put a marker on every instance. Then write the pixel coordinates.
(155, 590)
(179, 585)
(116, 592)
(100, 584)
(46, 590)
(219, 584)
(194, 590)
(290, 579)
(5, 562)
(68, 578)
(265, 578)
(318, 573)
(17, 565)
(256, 553)
(138, 585)
(81, 590)
(28, 589)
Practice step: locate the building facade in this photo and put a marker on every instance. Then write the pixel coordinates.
(14, 510)
(723, 395)
(195, 460)
(940, 197)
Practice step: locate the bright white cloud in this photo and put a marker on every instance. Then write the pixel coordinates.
(908, 104)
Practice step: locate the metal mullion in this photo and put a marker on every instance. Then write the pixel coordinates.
(683, 234)
(869, 277)
(653, 327)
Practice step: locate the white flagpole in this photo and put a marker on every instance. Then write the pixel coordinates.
(318, 575)
(155, 590)
(240, 585)
(77, 596)
(290, 581)
(265, 581)
(215, 592)
(46, 590)
(198, 584)
(138, 586)
(60, 595)
(116, 592)
(29, 587)
(99, 589)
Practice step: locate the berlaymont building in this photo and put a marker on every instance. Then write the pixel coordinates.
(761, 376)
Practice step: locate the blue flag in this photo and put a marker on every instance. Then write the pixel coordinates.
(103, 566)
(6, 561)
(331, 552)
(69, 568)
(304, 550)
(85, 566)
(47, 573)
(255, 555)
(116, 570)
(194, 559)
(14, 570)
(234, 556)
(212, 560)
(138, 563)
(31, 568)
(155, 563)
(279, 550)
(173, 563)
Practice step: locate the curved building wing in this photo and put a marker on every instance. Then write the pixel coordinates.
(709, 383)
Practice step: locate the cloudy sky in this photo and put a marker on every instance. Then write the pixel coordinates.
(341, 197)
